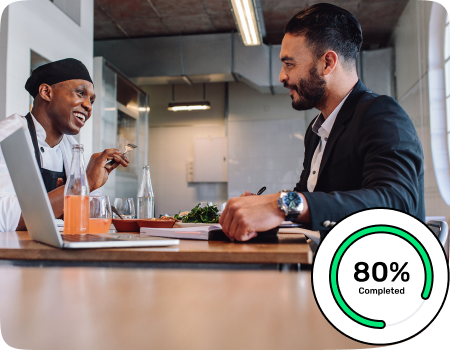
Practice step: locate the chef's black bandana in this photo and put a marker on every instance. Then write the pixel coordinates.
(56, 72)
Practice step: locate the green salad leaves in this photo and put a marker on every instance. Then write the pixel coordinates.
(208, 214)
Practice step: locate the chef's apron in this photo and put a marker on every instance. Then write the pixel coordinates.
(50, 177)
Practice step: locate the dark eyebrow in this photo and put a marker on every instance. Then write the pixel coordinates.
(287, 58)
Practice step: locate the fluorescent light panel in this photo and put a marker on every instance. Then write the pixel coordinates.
(244, 13)
(188, 106)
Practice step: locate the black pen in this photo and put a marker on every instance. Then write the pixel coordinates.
(261, 191)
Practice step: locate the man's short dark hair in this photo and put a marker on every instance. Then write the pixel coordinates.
(328, 27)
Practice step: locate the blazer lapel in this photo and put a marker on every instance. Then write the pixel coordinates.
(343, 116)
(311, 142)
(311, 139)
(314, 141)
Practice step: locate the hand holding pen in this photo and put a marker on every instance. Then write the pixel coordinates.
(248, 193)
(261, 190)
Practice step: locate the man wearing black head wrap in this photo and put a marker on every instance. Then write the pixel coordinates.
(63, 94)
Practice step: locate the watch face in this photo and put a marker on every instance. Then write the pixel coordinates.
(292, 200)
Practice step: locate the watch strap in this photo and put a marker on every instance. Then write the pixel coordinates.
(292, 216)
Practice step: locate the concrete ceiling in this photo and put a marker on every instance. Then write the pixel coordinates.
(114, 19)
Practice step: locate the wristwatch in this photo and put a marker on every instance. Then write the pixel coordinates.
(291, 203)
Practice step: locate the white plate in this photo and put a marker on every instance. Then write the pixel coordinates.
(193, 224)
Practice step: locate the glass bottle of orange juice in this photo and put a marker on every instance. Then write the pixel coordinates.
(76, 195)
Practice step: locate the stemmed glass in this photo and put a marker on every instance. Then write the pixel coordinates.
(125, 207)
(205, 204)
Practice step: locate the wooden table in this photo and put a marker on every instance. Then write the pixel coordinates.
(100, 308)
(291, 248)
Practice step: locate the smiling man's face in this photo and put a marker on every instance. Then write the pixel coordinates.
(300, 75)
(71, 105)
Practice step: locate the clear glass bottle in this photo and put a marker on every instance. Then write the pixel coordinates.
(76, 195)
(146, 199)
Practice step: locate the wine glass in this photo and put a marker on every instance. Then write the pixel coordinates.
(221, 207)
(205, 204)
(125, 207)
(99, 214)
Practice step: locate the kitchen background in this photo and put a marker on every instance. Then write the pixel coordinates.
(144, 55)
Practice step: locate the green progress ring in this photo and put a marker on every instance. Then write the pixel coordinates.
(379, 324)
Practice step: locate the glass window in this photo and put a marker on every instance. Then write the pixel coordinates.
(126, 133)
(447, 40)
(439, 96)
(447, 73)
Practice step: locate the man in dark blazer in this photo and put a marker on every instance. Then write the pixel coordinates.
(362, 151)
(373, 158)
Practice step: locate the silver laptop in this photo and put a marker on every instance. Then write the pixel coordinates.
(36, 209)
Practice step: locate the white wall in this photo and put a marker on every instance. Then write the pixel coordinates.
(170, 145)
(3, 60)
(169, 150)
(41, 26)
(265, 143)
(410, 40)
(377, 70)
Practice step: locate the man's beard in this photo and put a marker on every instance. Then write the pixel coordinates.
(311, 92)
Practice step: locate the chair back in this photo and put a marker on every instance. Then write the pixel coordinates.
(440, 229)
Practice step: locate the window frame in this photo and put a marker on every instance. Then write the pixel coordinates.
(438, 78)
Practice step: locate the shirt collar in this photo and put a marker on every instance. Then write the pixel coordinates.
(322, 126)
(41, 135)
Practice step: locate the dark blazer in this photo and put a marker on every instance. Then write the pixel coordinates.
(373, 158)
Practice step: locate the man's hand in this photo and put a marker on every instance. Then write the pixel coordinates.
(243, 217)
(96, 172)
(247, 193)
(59, 182)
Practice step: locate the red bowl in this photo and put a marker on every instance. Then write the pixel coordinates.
(156, 223)
(126, 225)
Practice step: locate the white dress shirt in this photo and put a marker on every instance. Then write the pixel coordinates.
(322, 127)
(51, 159)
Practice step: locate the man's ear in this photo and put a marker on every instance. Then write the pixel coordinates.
(45, 91)
(330, 62)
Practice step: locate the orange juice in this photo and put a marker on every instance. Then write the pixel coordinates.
(76, 214)
(99, 225)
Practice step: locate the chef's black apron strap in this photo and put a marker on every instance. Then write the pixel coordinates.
(49, 177)
(32, 131)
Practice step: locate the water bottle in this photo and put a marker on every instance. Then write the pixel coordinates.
(76, 195)
(146, 199)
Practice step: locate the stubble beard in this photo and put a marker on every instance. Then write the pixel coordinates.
(312, 93)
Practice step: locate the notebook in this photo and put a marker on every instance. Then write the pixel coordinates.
(203, 233)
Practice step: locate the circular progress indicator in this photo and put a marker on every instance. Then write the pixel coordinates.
(379, 282)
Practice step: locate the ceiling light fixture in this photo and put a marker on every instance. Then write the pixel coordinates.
(247, 22)
(188, 106)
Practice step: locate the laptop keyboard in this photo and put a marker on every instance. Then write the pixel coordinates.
(86, 238)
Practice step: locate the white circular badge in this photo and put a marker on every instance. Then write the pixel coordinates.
(380, 276)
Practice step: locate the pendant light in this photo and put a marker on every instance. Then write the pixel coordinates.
(188, 106)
